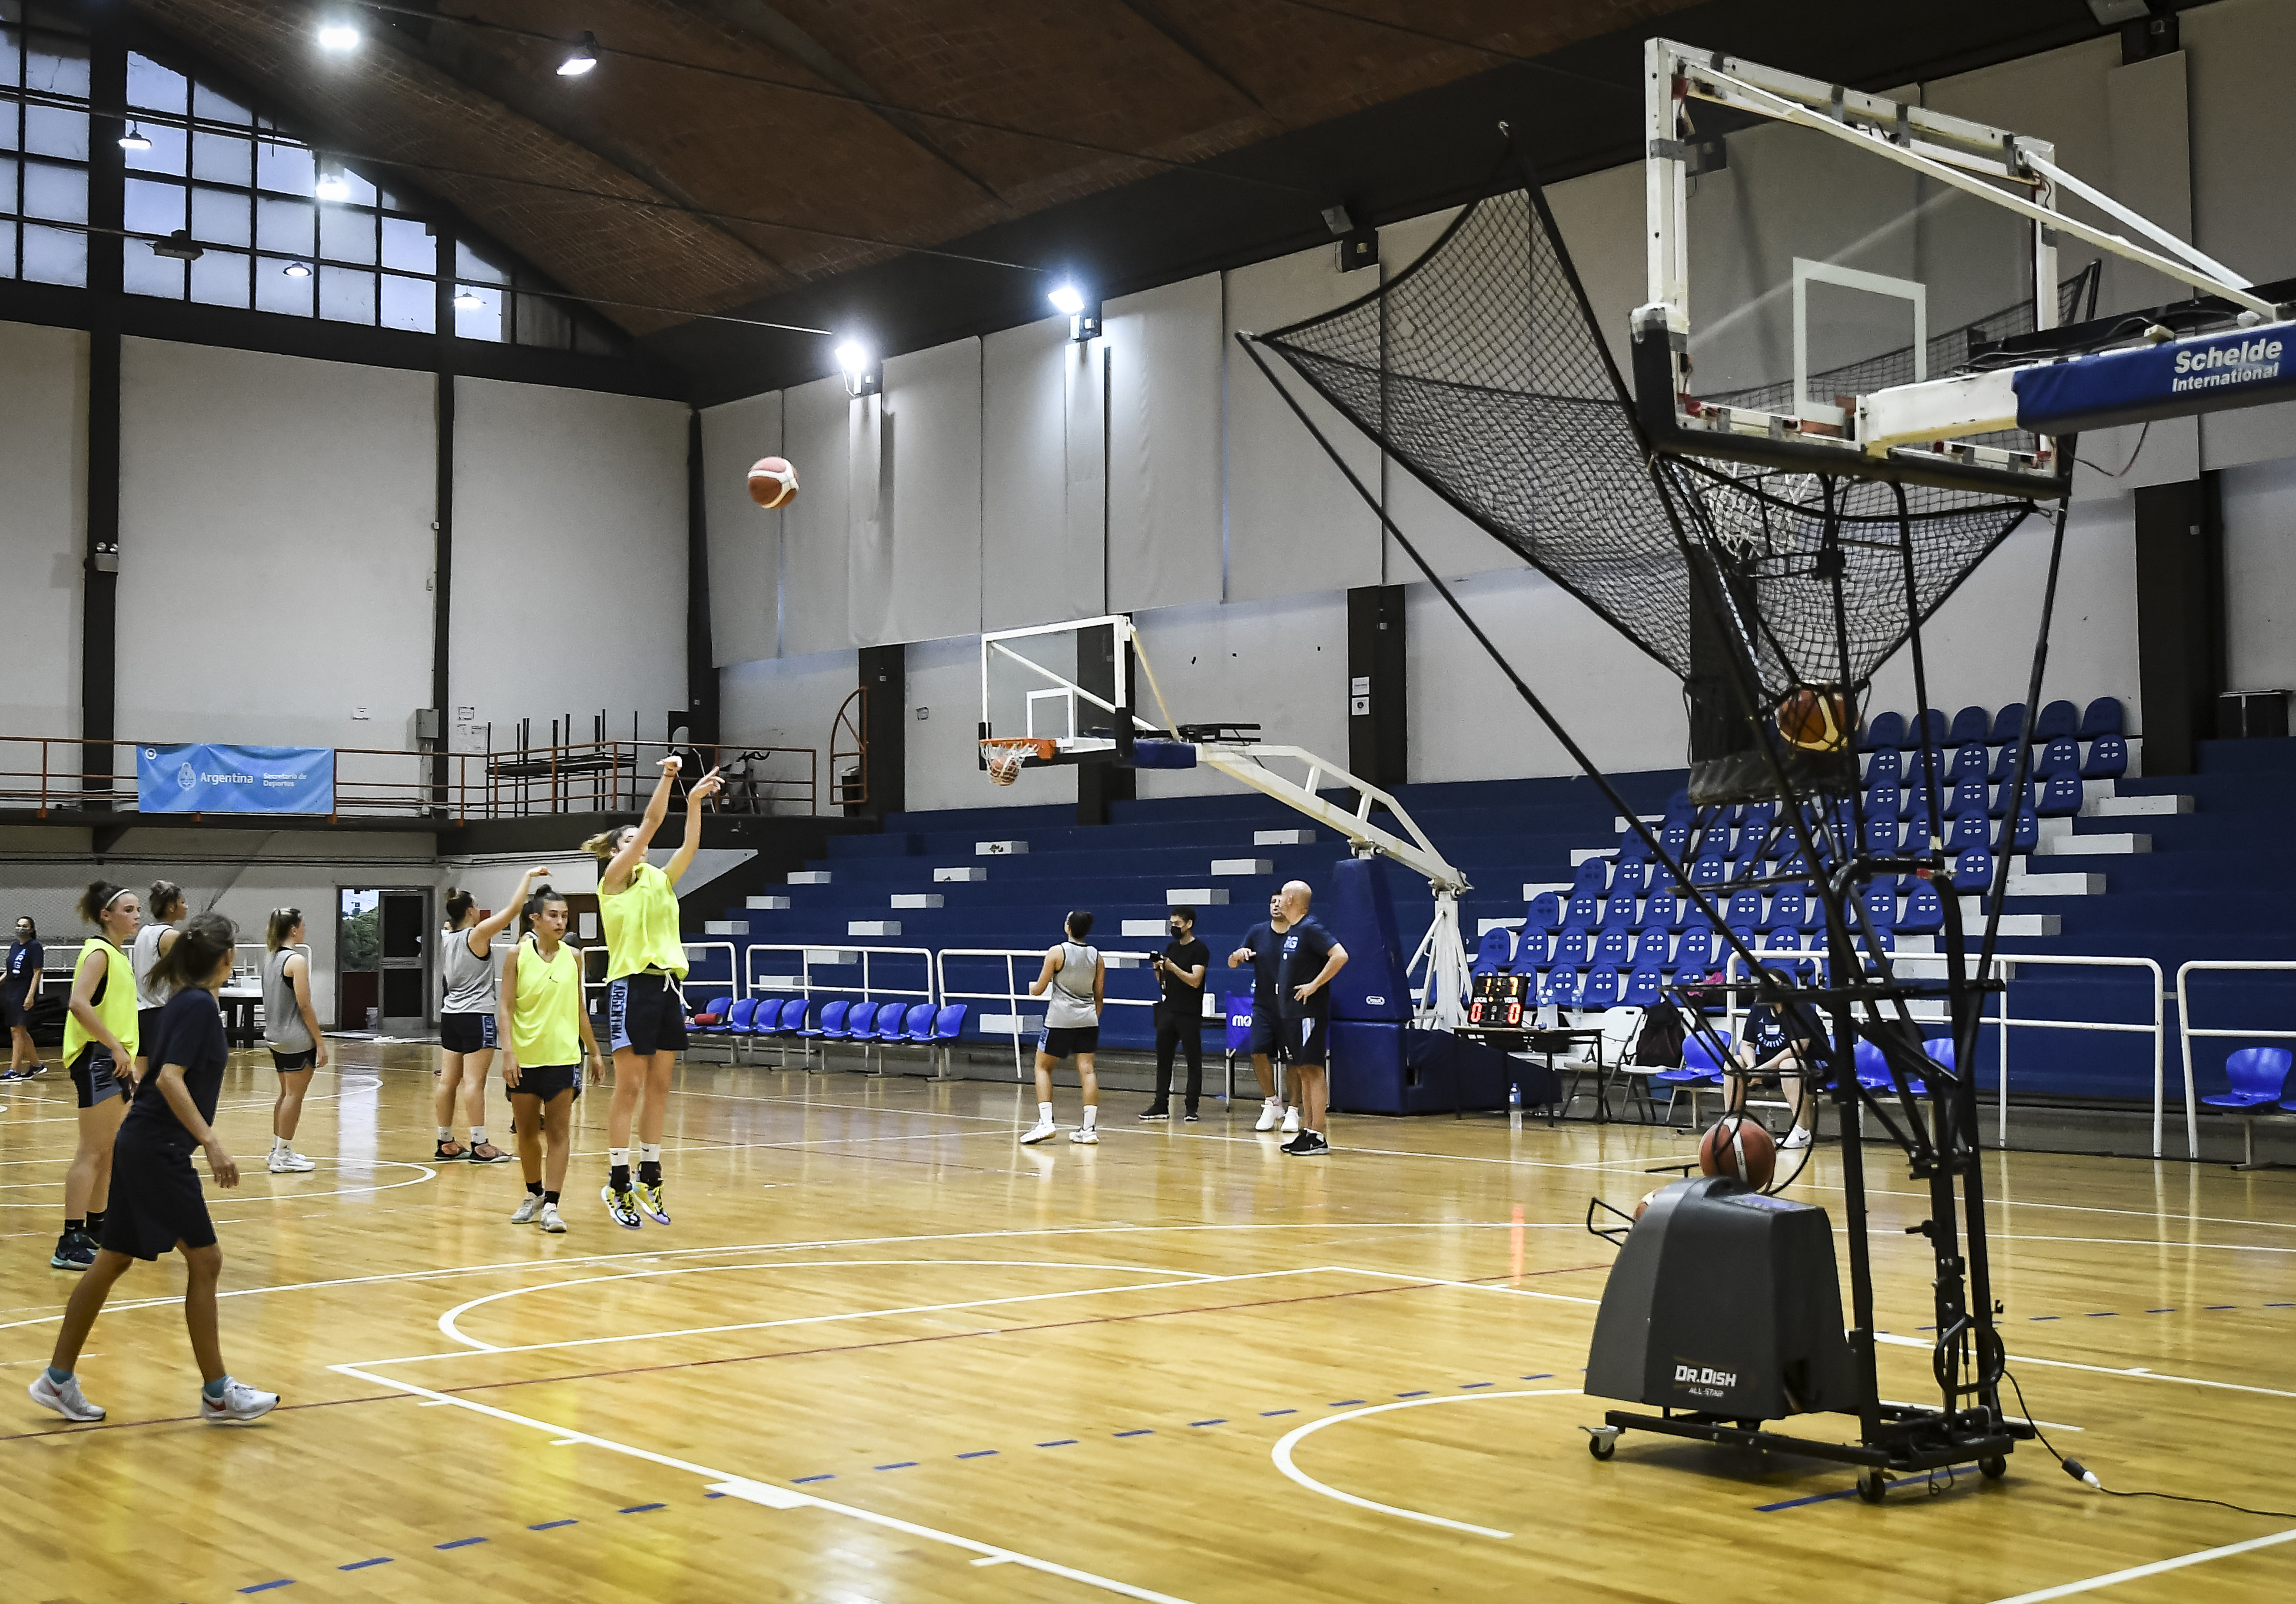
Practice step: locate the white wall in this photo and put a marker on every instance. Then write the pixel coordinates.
(931, 532)
(276, 547)
(788, 701)
(43, 526)
(2260, 531)
(1282, 665)
(745, 540)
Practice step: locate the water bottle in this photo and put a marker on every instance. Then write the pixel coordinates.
(1514, 1108)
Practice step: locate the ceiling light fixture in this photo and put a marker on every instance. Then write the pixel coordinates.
(1084, 314)
(179, 246)
(337, 36)
(1067, 298)
(297, 269)
(133, 139)
(467, 299)
(333, 184)
(864, 373)
(581, 59)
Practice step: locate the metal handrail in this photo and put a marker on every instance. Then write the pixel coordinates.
(1015, 993)
(852, 718)
(753, 984)
(2187, 1030)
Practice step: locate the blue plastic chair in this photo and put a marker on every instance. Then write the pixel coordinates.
(2102, 719)
(1645, 989)
(1971, 796)
(2008, 725)
(1571, 949)
(1931, 723)
(1676, 839)
(1660, 912)
(719, 1006)
(1970, 761)
(1924, 912)
(2057, 719)
(916, 1024)
(1744, 908)
(1881, 835)
(1533, 951)
(1969, 724)
(859, 1022)
(892, 1022)
(2061, 798)
(2259, 1078)
(1628, 873)
(948, 1027)
(1871, 1069)
(1558, 988)
(1582, 912)
(1611, 948)
(1709, 872)
(1601, 989)
(2108, 759)
(1884, 768)
(1789, 909)
(2005, 762)
(1881, 900)
(2060, 756)
(1972, 871)
(1678, 810)
(1885, 730)
(2024, 835)
(1543, 913)
(1654, 951)
(1884, 802)
(832, 1024)
(1632, 849)
(1618, 913)
(2003, 797)
(1696, 953)
(1701, 1069)
(1495, 955)
(1592, 877)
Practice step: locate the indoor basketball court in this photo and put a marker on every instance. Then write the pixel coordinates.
(1284, 801)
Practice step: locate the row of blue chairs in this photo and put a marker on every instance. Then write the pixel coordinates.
(2259, 1085)
(2101, 718)
(1697, 950)
(2107, 758)
(1701, 1069)
(1789, 909)
(845, 1019)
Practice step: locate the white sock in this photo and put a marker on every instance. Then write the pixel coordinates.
(617, 1157)
(1273, 1102)
(478, 1134)
(1091, 1116)
(650, 1153)
(445, 1133)
(280, 1144)
(1044, 1113)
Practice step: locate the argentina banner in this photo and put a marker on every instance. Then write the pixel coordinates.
(200, 778)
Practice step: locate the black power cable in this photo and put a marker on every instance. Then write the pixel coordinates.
(2082, 1473)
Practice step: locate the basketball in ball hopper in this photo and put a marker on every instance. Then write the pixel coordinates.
(773, 483)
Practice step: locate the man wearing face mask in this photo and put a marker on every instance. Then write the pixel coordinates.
(1180, 1015)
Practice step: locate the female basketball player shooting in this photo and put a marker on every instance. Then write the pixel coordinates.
(645, 1012)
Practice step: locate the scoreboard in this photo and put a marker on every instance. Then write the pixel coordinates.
(1500, 1002)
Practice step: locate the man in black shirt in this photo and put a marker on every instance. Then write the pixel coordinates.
(1180, 1015)
(1778, 1040)
(1263, 949)
(1311, 958)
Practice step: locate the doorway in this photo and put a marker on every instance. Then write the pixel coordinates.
(382, 971)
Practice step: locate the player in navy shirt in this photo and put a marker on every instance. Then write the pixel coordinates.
(1778, 1040)
(1303, 999)
(156, 1202)
(1263, 949)
(20, 989)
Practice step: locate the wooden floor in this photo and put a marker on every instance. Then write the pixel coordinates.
(886, 1353)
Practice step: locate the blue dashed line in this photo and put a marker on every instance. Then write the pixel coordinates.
(642, 1508)
(360, 1565)
(2105, 1315)
(896, 1465)
(1796, 1503)
(2219, 1306)
(1142, 1432)
(713, 1495)
(1545, 1375)
(1422, 1392)
(1059, 1442)
(2159, 1311)
(1218, 1422)
(1269, 1414)
(2038, 1319)
(2280, 1306)
(459, 1542)
(978, 1453)
(801, 1481)
(265, 1587)
(1345, 1402)
(1469, 1386)
(552, 1526)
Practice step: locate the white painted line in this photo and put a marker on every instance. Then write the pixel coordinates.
(1437, 1280)
(1282, 1454)
(2137, 1372)
(2136, 1572)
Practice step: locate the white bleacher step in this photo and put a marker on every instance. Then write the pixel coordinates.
(999, 849)
(1243, 865)
(1201, 896)
(808, 877)
(1146, 927)
(915, 898)
(777, 982)
(1283, 838)
(766, 901)
(1619, 820)
(1124, 960)
(873, 928)
(2064, 844)
(959, 877)
(1010, 1025)
(724, 926)
(2055, 885)
(1580, 854)
(1533, 888)
(1973, 918)
(831, 956)
(2135, 807)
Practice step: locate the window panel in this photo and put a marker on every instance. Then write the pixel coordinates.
(223, 158)
(141, 272)
(207, 103)
(408, 246)
(362, 192)
(152, 88)
(166, 155)
(287, 225)
(8, 187)
(7, 250)
(220, 216)
(275, 292)
(54, 131)
(346, 235)
(285, 170)
(409, 303)
(219, 279)
(55, 191)
(473, 268)
(57, 65)
(483, 321)
(55, 256)
(154, 206)
(542, 322)
(345, 295)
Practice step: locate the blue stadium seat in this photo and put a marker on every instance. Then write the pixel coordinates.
(1533, 950)
(1881, 835)
(2008, 725)
(1885, 802)
(1601, 989)
(1654, 951)
(2057, 719)
(1789, 909)
(1545, 913)
(2061, 798)
(832, 1023)
(1591, 877)
(2259, 1077)
(1756, 822)
(2108, 759)
(1558, 988)
(2005, 762)
(1784, 939)
(1632, 849)
(1885, 730)
(1881, 900)
(1884, 768)
(2060, 756)
(1676, 839)
(1695, 955)
(1582, 912)
(1570, 950)
(1745, 935)
(1661, 911)
(842, 1021)
(1678, 810)
(917, 1025)
(1611, 949)
(1871, 1069)
(1645, 989)
(1969, 724)
(1745, 908)
(1970, 830)
(948, 1021)
(741, 1018)
(1972, 871)
(2104, 718)
(1923, 912)
(1494, 954)
(2003, 797)
(1931, 725)
(1970, 796)
(1969, 762)
(2023, 837)
(1709, 872)
(893, 1022)
(1618, 913)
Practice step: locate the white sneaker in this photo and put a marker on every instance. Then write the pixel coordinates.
(550, 1220)
(1291, 1121)
(1795, 1137)
(1087, 1136)
(63, 1397)
(286, 1160)
(528, 1206)
(1270, 1113)
(240, 1401)
(1038, 1132)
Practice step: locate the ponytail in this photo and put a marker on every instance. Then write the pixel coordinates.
(600, 846)
(205, 942)
(96, 901)
(458, 903)
(165, 894)
(282, 926)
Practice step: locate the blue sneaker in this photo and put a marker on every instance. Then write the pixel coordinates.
(75, 1250)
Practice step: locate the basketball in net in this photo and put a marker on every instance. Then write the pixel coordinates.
(1739, 1147)
(773, 483)
(1004, 763)
(1816, 720)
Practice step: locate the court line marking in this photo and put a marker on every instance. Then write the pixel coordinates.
(771, 1497)
(1282, 1454)
(2132, 1372)
(2136, 1572)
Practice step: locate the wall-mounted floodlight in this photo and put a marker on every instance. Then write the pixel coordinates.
(332, 186)
(864, 374)
(580, 58)
(337, 36)
(1084, 315)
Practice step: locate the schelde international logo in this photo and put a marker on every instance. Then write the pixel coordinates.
(188, 777)
(2245, 362)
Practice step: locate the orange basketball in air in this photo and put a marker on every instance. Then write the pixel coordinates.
(773, 483)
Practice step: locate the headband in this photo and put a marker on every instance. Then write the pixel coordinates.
(118, 893)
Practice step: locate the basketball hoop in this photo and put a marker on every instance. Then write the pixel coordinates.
(1007, 755)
